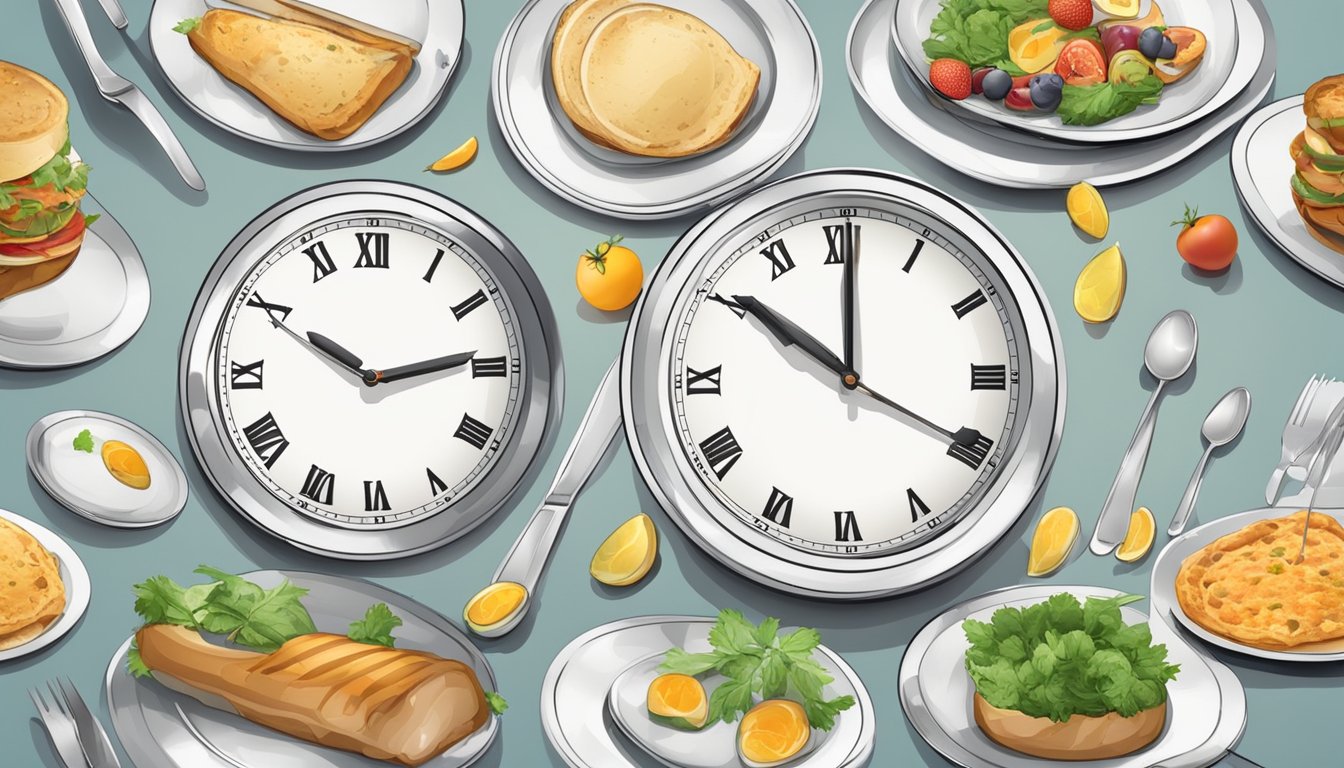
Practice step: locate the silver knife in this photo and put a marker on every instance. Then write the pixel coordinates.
(527, 559)
(92, 737)
(118, 89)
(114, 13)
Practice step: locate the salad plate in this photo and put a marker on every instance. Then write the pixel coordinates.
(95, 307)
(583, 708)
(235, 110)
(1209, 88)
(74, 575)
(544, 141)
(1261, 168)
(161, 728)
(936, 692)
(1002, 156)
(1168, 565)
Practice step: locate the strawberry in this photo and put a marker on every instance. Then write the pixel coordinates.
(951, 77)
(1071, 14)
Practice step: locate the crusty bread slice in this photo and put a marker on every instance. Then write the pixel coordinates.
(1324, 101)
(1324, 224)
(663, 83)
(32, 123)
(324, 83)
(576, 25)
(16, 280)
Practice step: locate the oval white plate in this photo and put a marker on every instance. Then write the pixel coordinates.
(1195, 96)
(81, 483)
(235, 110)
(77, 587)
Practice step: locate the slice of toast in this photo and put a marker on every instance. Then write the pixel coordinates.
(324, 83)
(576, 25)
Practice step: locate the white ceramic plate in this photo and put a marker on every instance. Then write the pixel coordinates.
(80, 481)
(97, 305)
(1210, 87)
(235, 110)
(1006, 157)
(574, 696)
(1205, 717)
(1261, 169)
(160, 728)
(772, 33)
(1168, 564)
(77, 587)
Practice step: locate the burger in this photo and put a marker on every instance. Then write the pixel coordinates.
(41, 183)
(1318, 154)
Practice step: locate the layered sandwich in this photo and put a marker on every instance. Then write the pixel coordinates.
(1318, 153)
(41, 183)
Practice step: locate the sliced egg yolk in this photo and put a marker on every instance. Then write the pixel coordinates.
(772, 732)
(495, 604)
(126, 464)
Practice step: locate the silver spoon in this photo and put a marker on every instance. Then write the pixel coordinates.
(1221, 427)
(1169, 353)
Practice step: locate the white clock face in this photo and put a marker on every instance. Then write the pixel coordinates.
(784, 444)
(316, 433)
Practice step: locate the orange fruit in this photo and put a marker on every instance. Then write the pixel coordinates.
(678, 701)
(457, 158)
(1035, 51)
(126, 464)
(1087, 210)
(609, 276)
(1139, 537)
(771, 732)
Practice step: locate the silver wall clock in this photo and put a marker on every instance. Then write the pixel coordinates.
(369, 370)
(844, 385)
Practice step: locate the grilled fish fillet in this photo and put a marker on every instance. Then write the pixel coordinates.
(385, 703)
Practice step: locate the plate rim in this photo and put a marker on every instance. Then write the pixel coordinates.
(79, 588)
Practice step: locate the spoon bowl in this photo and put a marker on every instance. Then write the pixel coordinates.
(1227, 418)
(1171, 346)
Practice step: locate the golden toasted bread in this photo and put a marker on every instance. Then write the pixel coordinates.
(662, 83)
(576, 25)
(1248, 587)
(1323, 104)
(32, 123)
(1079, 738)
(324, 83)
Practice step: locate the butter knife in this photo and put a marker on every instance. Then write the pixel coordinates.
(93, 739)
(118, 89)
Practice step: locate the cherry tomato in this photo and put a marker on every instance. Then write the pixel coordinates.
(1206, 242)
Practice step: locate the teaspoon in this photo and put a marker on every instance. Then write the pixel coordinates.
(1221, 427)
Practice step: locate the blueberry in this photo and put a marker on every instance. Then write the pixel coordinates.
(996, 84)
(1150, 42)
(1168, 49)
(1046, 91)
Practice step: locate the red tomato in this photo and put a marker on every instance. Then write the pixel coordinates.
(66, 234)
(1206, 242)
(1081, 62)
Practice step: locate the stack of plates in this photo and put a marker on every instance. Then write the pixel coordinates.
(983, 140)
(772, 33)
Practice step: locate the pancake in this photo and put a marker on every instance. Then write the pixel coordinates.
(32, 594)
(662, 83)
(576, 25)
(1246, 587)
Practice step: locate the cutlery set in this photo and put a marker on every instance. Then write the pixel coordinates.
(79, 739)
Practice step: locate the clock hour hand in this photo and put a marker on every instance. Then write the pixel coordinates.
(850, 251)
(421, 368)
(965, 445)
(789, 334)
(317, 350)
(341, 355)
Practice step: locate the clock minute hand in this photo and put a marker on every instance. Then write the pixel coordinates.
(421, 368)
(850, 253)
(966, 445)
(790, 335)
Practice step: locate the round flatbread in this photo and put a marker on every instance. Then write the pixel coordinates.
(32, 594)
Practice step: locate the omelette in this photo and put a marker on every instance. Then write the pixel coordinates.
(32, 595)
(1246, 586)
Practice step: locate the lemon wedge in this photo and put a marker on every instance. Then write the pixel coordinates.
(1139, 537)
(1053, 541)
(1101, 286)
(457, 158)
(627, 554)
(492, 610)
(1087, 210)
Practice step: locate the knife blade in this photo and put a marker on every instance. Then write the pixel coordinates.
(92, 736)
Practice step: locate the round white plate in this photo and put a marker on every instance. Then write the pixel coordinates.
(160, 728)
(77, 587)
(772, 33)
(81, 483)
(936, 692)
(1005, 157)
(235, 110)
(1261, 168)
(1209, 88)
(1168, 565)
(97, 305)
(574, 696)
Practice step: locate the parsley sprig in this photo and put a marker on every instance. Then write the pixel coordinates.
(757, 660)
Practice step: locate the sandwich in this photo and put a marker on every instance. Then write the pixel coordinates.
(326, 83)
(1318, 156)
(41, 183)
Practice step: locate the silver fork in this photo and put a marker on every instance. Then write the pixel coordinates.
(1297, 435)
(93, 739)
(60, 728)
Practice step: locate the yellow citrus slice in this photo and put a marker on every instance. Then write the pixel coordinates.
(678, 701)
(494, 604)
(457, 158)
(772, 732)
(1101, 286)
(627, 554)
(1139, 538)
(1052, 541)
(126, 464)
(1121, 9)
(1087, 210)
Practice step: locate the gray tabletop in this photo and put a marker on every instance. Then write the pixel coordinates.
(1266, 324)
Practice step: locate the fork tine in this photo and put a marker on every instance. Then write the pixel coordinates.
(59, 700)
(38, 702)
(1310, 401)
(1301, 397)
